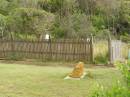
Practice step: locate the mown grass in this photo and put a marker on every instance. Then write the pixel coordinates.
(44, 81)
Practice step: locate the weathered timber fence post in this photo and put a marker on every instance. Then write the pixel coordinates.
(109, 50)
(50, 48)
(92, 49)
(12, 43)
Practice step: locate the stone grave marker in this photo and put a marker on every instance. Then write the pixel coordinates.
(78, 72)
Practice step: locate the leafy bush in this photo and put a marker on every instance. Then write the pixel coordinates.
(125, 69)
(30, 21)
(101, 58)
(74, 26)
(51, 5)
(98, 22)
(2, 25)
(116, 91)
(125, 37)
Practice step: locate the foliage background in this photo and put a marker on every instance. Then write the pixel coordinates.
(32, 19)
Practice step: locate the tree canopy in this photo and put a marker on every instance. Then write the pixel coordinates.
(64, 18)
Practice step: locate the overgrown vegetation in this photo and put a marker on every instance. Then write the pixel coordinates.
(125, 69)
(32, 19)
(117, 90)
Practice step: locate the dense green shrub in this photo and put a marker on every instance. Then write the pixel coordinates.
(116, 91)
(74, 26)
(101, 59)
(6, 6)
(125, 69)
(57, 30)
(2, 25)
(98, 22)
(125, 37)
(51, 5)
(30, 21)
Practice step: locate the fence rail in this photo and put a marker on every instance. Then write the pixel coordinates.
(60, 49)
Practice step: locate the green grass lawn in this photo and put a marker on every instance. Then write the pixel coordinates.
(44, 81)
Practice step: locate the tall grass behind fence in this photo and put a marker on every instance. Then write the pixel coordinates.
(100, 50)
(125, 50)
(60, 49)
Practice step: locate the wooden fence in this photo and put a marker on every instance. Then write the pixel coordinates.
(61, 49)
(115, 51)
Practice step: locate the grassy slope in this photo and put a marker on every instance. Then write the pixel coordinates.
(37, 81)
